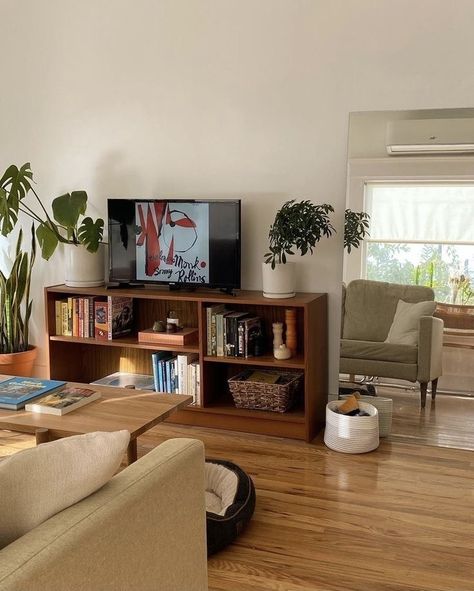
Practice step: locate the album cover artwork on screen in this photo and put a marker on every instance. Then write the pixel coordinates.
(172, 242)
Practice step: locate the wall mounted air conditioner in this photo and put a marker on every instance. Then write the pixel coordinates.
(430, 136)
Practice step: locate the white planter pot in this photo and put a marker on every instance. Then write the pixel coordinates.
(84, 268)
(280, 281)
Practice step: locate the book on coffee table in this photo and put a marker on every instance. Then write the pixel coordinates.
(16, 392)
(63, 401)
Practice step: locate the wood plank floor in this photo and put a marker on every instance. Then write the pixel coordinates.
(447, 421)
(399, 518)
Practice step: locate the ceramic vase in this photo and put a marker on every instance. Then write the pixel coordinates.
(280, 281)
(84, 268)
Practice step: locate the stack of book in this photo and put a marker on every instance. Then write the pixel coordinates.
(93, 316)
(75, 317)
(231, 333)
(177, 374)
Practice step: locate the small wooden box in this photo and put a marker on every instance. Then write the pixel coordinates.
(186, 336)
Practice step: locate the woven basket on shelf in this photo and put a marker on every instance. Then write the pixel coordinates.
(277, 397)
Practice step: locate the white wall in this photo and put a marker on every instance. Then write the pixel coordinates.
(219, 98)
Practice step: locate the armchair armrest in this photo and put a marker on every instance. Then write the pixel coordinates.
(430, 346)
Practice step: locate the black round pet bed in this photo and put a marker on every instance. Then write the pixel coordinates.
(230, 502)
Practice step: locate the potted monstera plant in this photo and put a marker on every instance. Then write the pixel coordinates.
(68, 225)
(298, 227)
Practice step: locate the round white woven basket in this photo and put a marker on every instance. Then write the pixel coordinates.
(385, 408)
(353, 435)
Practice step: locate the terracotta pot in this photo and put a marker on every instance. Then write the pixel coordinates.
(18, 364)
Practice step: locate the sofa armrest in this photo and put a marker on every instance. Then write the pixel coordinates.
(430, 347)
(145, 529)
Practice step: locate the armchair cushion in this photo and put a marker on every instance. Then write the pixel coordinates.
(379, 351)
(370, 306)
(405, 325)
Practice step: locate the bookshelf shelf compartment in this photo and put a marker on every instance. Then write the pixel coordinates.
(88, 359)
(130, 342)
(261, 361)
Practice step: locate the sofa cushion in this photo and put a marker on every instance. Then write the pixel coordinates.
(39, 482)
(379, 351)
(405, 325)
(369, 307)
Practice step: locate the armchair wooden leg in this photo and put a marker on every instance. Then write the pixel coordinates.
(423, 389)
(434, 387)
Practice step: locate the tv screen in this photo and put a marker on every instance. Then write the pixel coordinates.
(178, 242)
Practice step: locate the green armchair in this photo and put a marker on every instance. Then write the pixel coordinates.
(368, 312)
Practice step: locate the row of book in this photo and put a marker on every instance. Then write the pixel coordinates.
(177, 374)
(233, 334)
(94, 317)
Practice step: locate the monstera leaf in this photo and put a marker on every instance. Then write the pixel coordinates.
(47, 239)
(90, 233)
(14, 186)
(67, 209)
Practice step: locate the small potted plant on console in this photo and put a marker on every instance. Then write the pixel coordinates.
(298, 226)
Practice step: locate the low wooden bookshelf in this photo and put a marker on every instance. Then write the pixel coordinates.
(77, 359)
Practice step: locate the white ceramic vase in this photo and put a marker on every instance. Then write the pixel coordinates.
(280, 281)
(84, 268)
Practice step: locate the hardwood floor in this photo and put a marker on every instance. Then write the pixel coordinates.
(447, 421)
(399, 518)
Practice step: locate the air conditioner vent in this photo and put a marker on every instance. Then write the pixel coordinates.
(430, 136)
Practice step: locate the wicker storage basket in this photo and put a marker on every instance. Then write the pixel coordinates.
(278, 397)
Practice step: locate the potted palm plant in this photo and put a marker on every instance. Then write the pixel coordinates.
(68, 225)
(298, 226)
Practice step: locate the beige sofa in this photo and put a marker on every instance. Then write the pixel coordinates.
(367, 314)
(144, 530)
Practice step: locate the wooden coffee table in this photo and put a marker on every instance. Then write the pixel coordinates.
(136, 411)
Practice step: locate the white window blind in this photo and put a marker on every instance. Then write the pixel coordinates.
(442, 213)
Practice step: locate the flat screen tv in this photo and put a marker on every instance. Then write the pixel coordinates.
(176, 242)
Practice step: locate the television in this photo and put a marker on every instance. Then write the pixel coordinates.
(183, 243)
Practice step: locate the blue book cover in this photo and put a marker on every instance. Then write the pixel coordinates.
(157, 364)
(170, 374)
(16, 392)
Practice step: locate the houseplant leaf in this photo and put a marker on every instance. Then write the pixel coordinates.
(47, 239)
(90, 233)
(67, 208)
(14, 186)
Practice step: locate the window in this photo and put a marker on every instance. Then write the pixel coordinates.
(422, 233)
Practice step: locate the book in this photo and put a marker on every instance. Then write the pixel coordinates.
(100, 320)
(183, 365)
(57, 318)
(252, 329)
(123, 379)
(232, 337)
(263, 376)
(16, 392)
(119, 316)
(220, 333)
(211, 312)
(63, 401)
